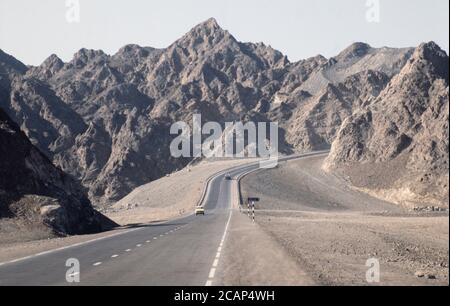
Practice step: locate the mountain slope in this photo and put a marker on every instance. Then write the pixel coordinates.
(106, 119)
(398, 147)
(32, 189)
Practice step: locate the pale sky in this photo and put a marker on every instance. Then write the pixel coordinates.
(31, 30)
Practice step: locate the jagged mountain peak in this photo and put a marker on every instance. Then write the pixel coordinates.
(207, 28)
(83, 52)
(355, 50)
(211, 23)
(134, 50)
(84, 56)
(53, 63)
(427, 64)
(208, 31)
(429, 51)
(52, 59)
(430, 57)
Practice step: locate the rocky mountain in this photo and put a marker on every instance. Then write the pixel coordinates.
(105, 119)
(314, 121)
(398, 146)
(34, 190)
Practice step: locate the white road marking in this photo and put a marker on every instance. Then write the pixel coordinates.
(215, 263)
(129, 250)
(68, 247)
(97, 264)
(212, 272)
(114, 256)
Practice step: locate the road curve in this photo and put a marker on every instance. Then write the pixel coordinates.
(176, 253)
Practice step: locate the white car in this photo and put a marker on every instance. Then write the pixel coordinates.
(199, 211)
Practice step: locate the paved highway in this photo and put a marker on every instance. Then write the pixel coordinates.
(182, 252)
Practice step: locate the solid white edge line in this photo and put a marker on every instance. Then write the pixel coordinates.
(212, 272)
(215, 263)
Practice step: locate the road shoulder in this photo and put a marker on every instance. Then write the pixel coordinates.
(253, 258)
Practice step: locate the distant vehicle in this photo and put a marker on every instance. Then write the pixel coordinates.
(228, 177)
(199, 211)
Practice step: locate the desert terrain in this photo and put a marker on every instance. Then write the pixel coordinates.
(331, 230)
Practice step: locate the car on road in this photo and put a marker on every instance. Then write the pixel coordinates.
(199, 211)
(228, 177)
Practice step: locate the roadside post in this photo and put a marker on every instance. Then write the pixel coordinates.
(251, 203)
(253, 212)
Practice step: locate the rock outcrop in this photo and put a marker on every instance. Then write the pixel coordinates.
(34, 190)
(398, 146)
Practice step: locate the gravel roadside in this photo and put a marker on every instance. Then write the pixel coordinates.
(332, 230)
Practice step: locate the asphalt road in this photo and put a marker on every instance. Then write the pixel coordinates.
(181, 252)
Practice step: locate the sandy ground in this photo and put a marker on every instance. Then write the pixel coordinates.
(168, 198)
(331, 230)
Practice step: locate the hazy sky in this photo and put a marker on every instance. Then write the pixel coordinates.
(32, 30)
